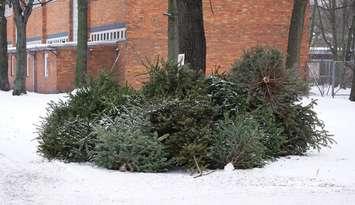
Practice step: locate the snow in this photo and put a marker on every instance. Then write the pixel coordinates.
(327, 177)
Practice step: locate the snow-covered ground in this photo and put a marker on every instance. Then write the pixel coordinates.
(321, 178)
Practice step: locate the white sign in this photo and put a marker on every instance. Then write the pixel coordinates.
(181, 59)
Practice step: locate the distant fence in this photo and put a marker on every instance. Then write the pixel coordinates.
(330, 77)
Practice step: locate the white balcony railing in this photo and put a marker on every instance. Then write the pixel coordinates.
(109, 35)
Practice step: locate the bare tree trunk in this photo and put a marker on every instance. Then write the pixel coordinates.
(313, 22)
(192, 40)
(352, 94)
(349, 54)
(296, 33)
(22, 11)
(21, 59)
(173, 40)
(4, 79)
(82, 48)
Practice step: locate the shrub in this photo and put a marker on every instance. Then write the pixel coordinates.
(225, 96)
(65, 137)
(303, 130)
(169, 79)
(182, 120)
(100, 96)
(262, 76)
(274, 137)
(124, 146)
(238, 142)
(66, 132)
(185, 128)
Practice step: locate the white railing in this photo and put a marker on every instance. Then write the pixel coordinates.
(59, 40)
(109, 35)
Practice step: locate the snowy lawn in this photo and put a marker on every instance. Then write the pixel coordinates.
(322, 178)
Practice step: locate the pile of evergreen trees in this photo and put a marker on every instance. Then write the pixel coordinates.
(181, 119)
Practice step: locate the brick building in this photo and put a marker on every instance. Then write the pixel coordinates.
(131, 30)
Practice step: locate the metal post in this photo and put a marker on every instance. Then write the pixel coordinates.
(333, 79)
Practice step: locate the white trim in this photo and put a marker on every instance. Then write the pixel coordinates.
(46, 65)
(28, 65)
(34, 42)
(59, 45)
(75, 20)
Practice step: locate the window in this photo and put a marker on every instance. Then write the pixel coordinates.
(46, 65)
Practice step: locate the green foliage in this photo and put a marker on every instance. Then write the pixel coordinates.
(63, 136)
(225, 96)
(263, 78)
(66, 133)
(185, 129)
(238, 142)
(99, 97)
(304, 130)
(274, 137)
(124, 146)
(170, 79)
(182, 120)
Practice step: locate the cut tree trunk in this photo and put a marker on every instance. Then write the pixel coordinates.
(82, 47)
(296, 33)
(21, 59)
(4, 79)
(192, 40)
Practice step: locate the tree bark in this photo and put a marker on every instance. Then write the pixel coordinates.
(21, 14)
(173, 40)
(192, 40)
(296, 33)
(352, 94)
(21, 59)
(313, 22)
(82, 46)
(4, 78)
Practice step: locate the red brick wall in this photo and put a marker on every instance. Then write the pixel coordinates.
(147, 37)
(105, 12)
(100, 58)
(34, 25)
(58, 17)
(12, 68)
(11, 30)
(233, 27)
(46, 84)
(66, 69)
(30, 72)
(238, 25)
